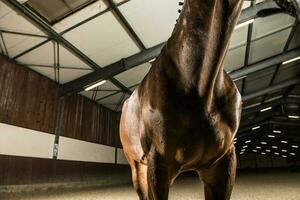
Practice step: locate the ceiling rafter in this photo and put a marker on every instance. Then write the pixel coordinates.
(269, 121)
(23, 33)
(261, 37)
(130, 62)
(115, 92)
(272, 88)
(50, 31)
(69, 29)
(61, 67)
(260, 117)
(139, 58)
(113, 69)
(269, 62)
(243, 17)
(272, 104)
(285, 49)
(3, 45)
(123, 21)
(247, 52)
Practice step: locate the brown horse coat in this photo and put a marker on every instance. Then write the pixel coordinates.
(186, 112)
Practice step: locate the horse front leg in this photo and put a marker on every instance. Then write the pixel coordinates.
(220, 178)
(158, 176)
(139, 179)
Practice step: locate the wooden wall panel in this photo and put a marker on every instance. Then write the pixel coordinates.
(85, 120)
(27, 99)
(30, 100)
(18, 170)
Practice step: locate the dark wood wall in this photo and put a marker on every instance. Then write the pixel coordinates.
(83, 119)
(27, 99)
(30, 100)
(20, 170)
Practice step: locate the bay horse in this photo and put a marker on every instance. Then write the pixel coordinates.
(186, 111)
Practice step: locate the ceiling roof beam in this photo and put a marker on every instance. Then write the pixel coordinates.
(270, 104)
(285, 123)
(52, 33)
(116, 68)
(61, 67)
(3, 45)
(22, 33)
(258, 118)
(266, 122)
(265, 63)
(247, 51)
(276, 122)
(286, 47)
(126, 25)
(142, 57)
(69, 29)
(273, 88)
(249, 127)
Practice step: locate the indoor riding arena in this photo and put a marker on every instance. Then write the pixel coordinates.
(149, 99)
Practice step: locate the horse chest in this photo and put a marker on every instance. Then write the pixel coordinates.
(188, 138)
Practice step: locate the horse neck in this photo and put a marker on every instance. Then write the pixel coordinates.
(199, 43)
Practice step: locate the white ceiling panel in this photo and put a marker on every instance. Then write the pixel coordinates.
(4, 9)
(265, 25)
(134, 75)
(66, 75)
(137, 12)
(40, 56)
(259, 1)
(111, 107)
(16, 44)
(79, 16)
(235, 59)
(246, 4)
(153, 20)
(87, 94)
(112, 100)
(269, 46)
(239, 36)
(67, 59)
(108, 86)
(118, 1)
(45, 71)
(103, 39)
(12, 21)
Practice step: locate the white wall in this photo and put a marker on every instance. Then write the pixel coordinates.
(72, 149)
(121, 159)
(17, 141)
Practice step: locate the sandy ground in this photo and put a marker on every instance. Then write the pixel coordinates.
(283, 186)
